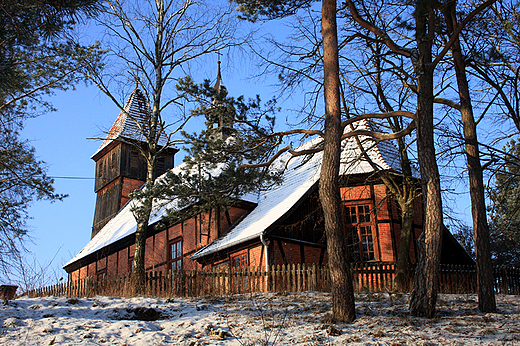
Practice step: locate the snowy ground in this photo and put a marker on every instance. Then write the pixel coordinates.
(257, 319)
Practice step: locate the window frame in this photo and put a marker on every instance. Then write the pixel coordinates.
(179, 259)
(367, 242)
(240, 256)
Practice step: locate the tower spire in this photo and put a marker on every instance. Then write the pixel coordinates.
(218, 83)
(218, 113)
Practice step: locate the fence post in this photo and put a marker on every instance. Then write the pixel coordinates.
(292, 277)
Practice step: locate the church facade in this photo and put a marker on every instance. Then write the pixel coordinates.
(281, 225)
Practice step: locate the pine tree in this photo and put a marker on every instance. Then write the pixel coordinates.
(213, 175)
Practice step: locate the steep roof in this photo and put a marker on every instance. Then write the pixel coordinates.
(299, 175)
(124, 223)
(136, 109)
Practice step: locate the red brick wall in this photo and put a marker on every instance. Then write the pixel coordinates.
(129, 185)
(355, 193)
(189, 264)
(293, 254)
(101, 264)
(256, 256)
(156, 252)
(112, 264)
(91, 269)
(189, 238)
(175, 232)
(148, 254)
(386, 212)
(385, 241)
(276, 254)
(291, 251)
(122, 267)
(161, 247)
(381, 203)
(312, 255)
(74, 275)
(83, 272)
(235, 213)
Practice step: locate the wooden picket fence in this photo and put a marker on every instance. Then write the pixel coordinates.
(377, 277)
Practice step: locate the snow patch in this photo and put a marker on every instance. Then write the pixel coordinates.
(256, 319)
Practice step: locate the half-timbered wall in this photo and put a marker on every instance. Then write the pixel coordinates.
(170, 247)
(369, 213)
(372, 228)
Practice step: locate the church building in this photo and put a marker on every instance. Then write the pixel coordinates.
(281, 225)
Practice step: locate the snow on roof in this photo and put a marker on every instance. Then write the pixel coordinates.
(125, 126)
(124, 223)
(300, 175)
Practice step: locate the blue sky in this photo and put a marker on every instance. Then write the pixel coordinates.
(60, 139)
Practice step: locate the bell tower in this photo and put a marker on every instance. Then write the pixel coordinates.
(219, 116)
(120, 167)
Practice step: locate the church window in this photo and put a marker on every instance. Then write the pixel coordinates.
(175, 261)
(360, 241)
(240, 260)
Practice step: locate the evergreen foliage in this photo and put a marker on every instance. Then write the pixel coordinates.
(212, 176)
(29, 35)
(505, 210)
(269, 9)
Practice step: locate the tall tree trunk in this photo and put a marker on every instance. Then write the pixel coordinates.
(405, 196)
(402, 281)
(152, 138)
(486, 294)
(138, 272)
(424, 295)
(141, 233)
(343, 305)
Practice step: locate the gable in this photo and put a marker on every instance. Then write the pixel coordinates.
(300, 175)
